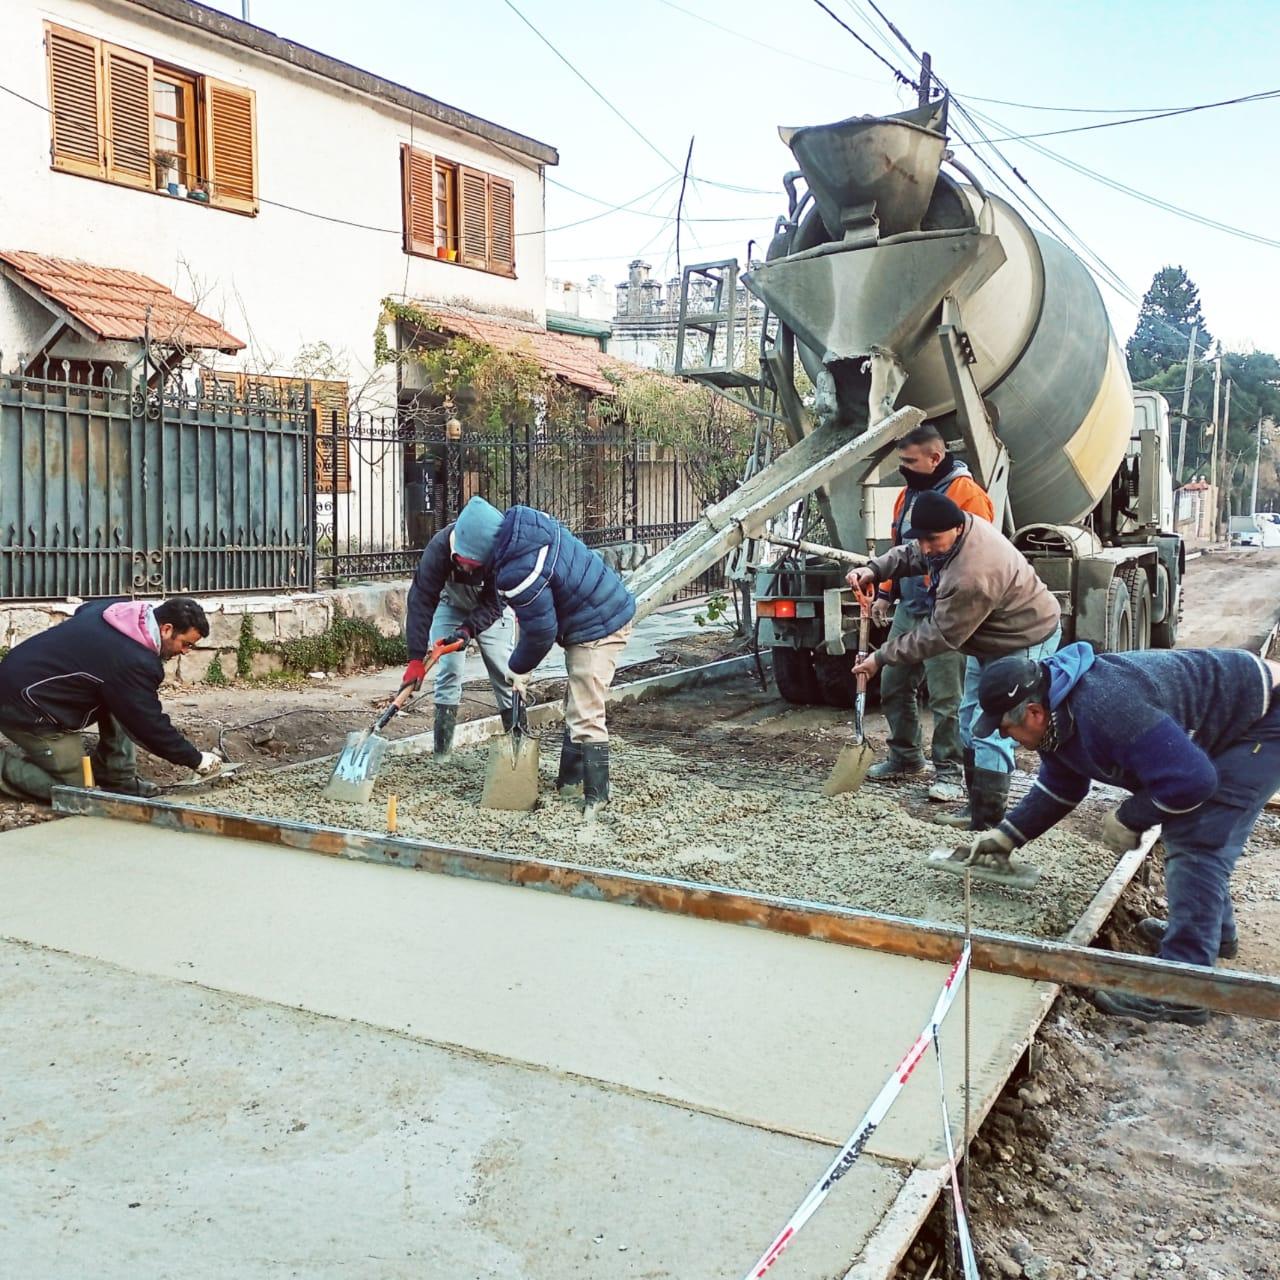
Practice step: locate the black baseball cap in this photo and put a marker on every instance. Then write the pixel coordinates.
(1003, 685)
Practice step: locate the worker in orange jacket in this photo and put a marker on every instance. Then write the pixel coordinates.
(926, 466)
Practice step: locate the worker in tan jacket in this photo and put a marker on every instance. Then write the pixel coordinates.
(987, 603)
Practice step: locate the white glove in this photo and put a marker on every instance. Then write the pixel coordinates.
(1116, 836)
(882, 612)
(520, 684)
(210, 763)
(990, 848)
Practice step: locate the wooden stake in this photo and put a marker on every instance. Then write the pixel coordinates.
(86, 770)
(391, 814)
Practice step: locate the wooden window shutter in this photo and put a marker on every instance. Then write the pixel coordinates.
(473, 213)
(126, 81)
(75, 97)
(502, 240)
(231, 146)
(417, 182)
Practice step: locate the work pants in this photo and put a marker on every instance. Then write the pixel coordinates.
(495, 649)
(44, 758)
(996, 752)
(590, 669)
(900, 702)
(1201, 847)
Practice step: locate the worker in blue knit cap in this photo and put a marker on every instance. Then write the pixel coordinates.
(562, 593)
(1192, 734)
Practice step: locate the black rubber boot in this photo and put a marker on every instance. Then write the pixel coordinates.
(569, 782)
(1153, 930)
(1123, 1005)
(988, 797)
(962, 817)
(134, 786)
(445, 722)
(595, 776)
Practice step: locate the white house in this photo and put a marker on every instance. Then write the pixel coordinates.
(281, 191)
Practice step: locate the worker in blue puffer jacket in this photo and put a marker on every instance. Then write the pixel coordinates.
(563, 593)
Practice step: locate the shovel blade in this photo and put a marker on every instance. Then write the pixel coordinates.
(356, 769)
(850, 769)
(511, 773)
(1021, 875)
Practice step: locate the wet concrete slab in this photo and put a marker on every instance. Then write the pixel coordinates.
(153, 1128)
(775, 1032)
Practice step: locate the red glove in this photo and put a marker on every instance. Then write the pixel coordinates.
(414, 673)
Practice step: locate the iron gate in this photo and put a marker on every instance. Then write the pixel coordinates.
(160, 489)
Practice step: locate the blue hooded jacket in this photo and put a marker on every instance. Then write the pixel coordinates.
(558, 587)
(1150, 722)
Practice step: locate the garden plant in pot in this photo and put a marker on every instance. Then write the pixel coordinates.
(167, 172)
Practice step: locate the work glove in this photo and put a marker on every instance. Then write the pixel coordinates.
(860, 577)
(414, 673)
(210, 763)
(882, 612)
(990, 849)
(520, 684)
(1116, 836)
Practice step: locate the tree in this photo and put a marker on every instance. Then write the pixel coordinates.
(1169, 310)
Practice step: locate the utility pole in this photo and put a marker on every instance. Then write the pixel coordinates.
(1213, 445)
(926, 76)
(1227, 467)
(1186, 403)
(1257, 462)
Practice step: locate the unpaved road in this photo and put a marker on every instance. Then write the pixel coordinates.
(1231, 599)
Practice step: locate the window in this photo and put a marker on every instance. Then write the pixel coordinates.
(457, 213)
(120, 117)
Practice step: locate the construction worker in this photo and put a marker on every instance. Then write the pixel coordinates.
(926, 466)
(104, 664)
(1193, 734)
(563, 593)
(452, 598)
(986, 603)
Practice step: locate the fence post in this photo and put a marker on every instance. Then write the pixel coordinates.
(309, 521)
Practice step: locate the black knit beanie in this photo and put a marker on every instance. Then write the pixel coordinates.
(934, 513)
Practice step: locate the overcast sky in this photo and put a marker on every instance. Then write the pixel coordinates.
(673, 75)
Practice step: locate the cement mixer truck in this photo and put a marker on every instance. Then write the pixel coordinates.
(896, 279)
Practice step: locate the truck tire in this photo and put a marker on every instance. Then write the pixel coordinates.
(1135, 579)
(1119, 633)
(1164, 635)
(836, 681)
(795, 677)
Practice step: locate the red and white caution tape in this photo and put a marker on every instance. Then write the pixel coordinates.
(876, 1113)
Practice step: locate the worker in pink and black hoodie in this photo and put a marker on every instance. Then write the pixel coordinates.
(102, 666)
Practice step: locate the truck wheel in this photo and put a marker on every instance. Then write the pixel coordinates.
(1135, 578)
(835, 679)
(795, 677)
(1164, 635)
(1119, 633)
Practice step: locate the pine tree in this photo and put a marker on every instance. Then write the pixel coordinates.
(1169, 309)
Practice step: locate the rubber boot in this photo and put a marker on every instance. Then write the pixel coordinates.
(1152, 930)
(446, 720)
(133, 786)
(569, 782)
(595, 776)
(962, 817)
(988, 797)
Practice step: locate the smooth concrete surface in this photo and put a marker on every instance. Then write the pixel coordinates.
(151, 1129)
(777, 1032)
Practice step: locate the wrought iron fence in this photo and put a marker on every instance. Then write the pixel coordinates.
(387, 485)
(116, 487)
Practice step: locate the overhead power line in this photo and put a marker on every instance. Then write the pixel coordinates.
(879, 57)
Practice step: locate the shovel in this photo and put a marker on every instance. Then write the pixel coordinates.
(850, 769)
(357, 767)
(511, 772)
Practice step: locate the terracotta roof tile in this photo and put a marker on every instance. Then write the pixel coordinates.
(113, 304)
(576, 360)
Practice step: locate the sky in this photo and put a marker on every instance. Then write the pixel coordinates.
(727, 73)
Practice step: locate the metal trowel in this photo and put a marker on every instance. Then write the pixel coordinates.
(511, 772)
(850, 769)
(1020, 875)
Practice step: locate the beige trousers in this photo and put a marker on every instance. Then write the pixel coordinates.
(590, 668)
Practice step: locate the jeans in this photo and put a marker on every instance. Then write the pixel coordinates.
(495, 649)
(1201, 848)
(900, 701)
(996, 752)
(45, 758)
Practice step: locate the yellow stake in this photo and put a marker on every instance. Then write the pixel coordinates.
(391, 814)
(86, 770)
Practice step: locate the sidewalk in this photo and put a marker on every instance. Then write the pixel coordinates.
(646, 643)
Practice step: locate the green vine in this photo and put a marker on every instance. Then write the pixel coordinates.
(347, 643)
(249, 645)
(215, 674)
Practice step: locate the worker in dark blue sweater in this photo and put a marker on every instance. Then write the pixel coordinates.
(1193, 734)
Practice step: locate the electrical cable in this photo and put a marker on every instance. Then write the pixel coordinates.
(835, 17)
